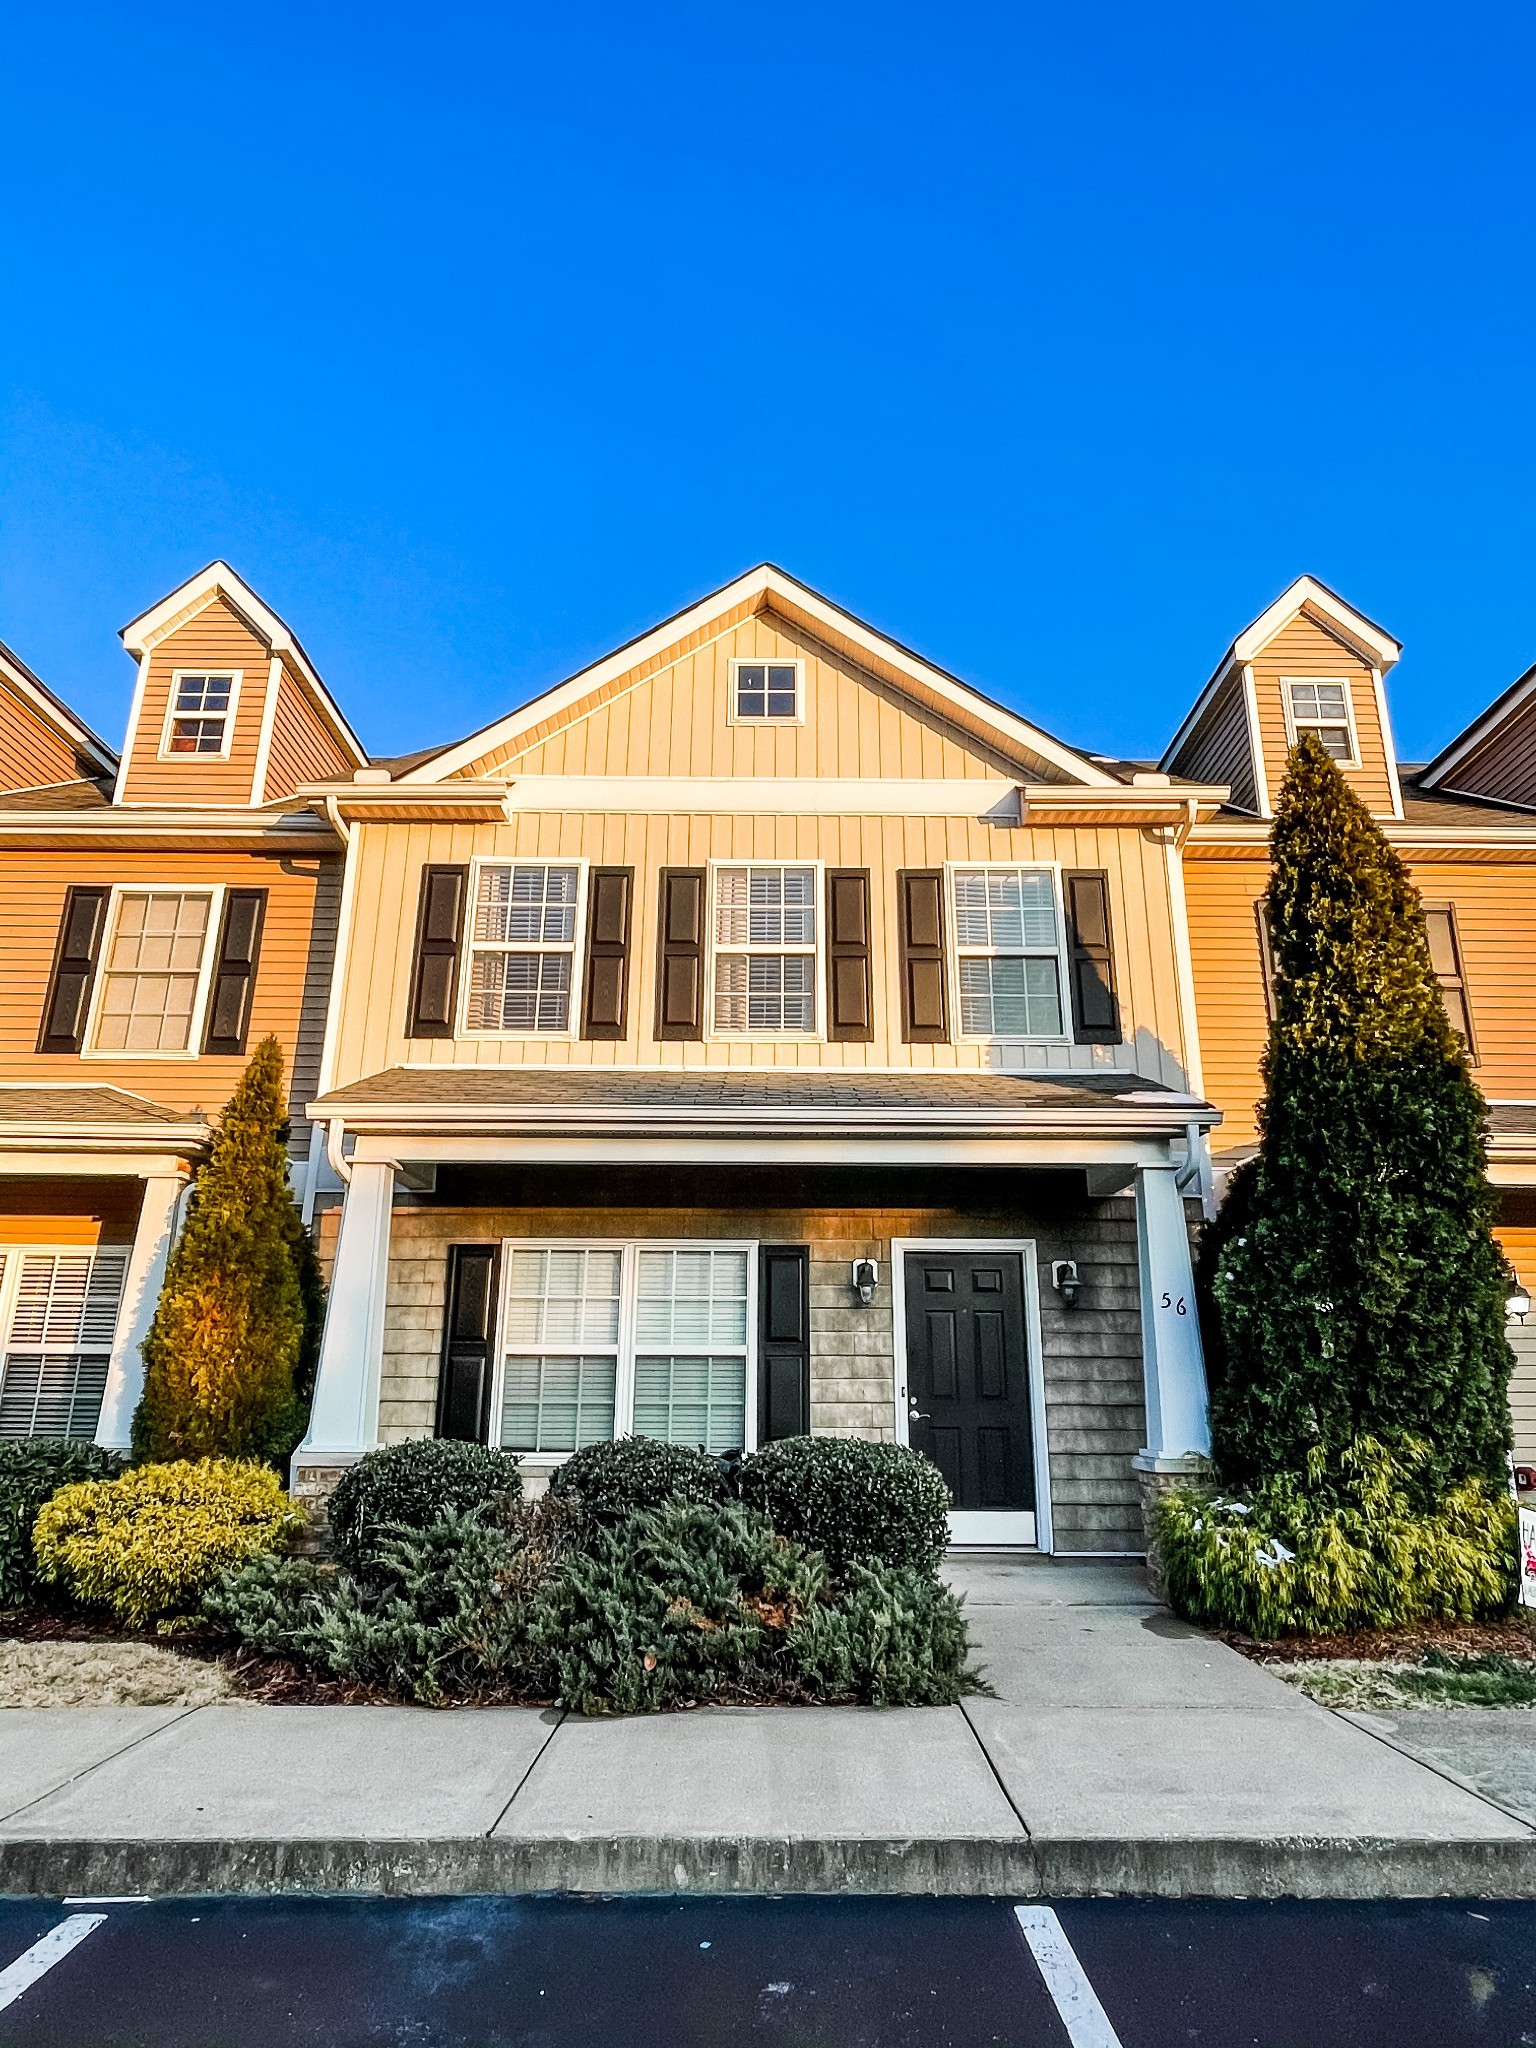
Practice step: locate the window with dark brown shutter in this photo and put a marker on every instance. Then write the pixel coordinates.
(435, 971)
(234, 975)
(784, 1359)
(920, 924)
(680, 955)
(1091, 958)
(1445, 958)
(74, 970)
(850, 1007)
(605, 989)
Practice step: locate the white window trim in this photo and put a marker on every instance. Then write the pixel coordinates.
(1063, 989)
(736, 662)
(1339, 682)
(215, 892)
(462, 1028)
(629, 1250)
(236, 676)
(819, 972)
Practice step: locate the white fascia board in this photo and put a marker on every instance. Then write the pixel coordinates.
(764, 1150)
(796, 600)
(132, 823)
(1482, 728)
(410, 1127)
(54, 712)
(1404, 834)
(143, 634)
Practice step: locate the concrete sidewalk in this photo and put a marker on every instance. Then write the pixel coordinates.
(1124, 1753)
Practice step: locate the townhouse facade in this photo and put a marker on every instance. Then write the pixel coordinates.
(165, 908)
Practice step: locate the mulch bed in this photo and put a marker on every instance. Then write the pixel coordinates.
(1515, 1637)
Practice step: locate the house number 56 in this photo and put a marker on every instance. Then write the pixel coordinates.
(1179, 1307)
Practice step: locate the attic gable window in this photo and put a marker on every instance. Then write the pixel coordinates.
(766, 690)
(200, 715)
(1322, 709)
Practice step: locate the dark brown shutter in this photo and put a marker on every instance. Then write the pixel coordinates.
(920, 926)
(850, 1012)
(74, 969)
(464, 1385)
(435, 972)
(1266, 956)
(1091, 958)
(234, 977)
(605, 996)
(680, 955)
(1445, 958)
(784, 1351)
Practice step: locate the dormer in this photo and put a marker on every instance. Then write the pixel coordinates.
(1309, 663)
(228, 710)
(45, 751)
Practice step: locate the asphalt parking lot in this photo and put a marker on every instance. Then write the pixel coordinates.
(814, 1973)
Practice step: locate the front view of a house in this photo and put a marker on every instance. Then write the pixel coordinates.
(763, 1031)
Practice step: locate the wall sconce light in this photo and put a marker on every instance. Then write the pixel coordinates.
(1518, 1306)
(865, 1276)
(1065, 1281)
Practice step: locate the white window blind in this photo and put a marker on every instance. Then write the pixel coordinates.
(562, 1347)
(1008, 942)
(153, 962)
(59, 1344)
(765, 933)
(691, 1347)
(523, 943)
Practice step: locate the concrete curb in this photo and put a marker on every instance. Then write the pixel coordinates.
(1172, 1867)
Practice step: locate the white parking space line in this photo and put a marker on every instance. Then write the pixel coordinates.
(1085, 2020)
(47, 1950)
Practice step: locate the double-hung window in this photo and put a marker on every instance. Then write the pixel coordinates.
(601, 1340)
(152, 986)
(765, 950)
(201, 708)
(1008, 952)
(523, 947)
(58, 1316)
(1322, 709)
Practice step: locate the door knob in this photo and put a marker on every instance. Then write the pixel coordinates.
(915, 1413)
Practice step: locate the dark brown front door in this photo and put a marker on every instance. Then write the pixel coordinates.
(968, 1375)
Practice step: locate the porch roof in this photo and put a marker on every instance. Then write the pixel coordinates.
(91, 1120)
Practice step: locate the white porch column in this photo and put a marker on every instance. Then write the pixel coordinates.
(344, 1420)
(141, 1292)
(1178, 1420)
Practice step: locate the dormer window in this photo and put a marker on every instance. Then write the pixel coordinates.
(767, 691)
(201, 713)
(1322, 709)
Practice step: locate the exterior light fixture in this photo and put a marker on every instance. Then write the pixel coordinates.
(1518, 1306)
(1065, 1281)
(865, 1276)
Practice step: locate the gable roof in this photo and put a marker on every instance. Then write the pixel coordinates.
(54, 712)
(141, 635)
(759, 589)
(1513, 703)
(1306, 596)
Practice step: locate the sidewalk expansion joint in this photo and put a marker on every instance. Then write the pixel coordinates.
(561, 1718)
(1362, 1722)
(14, 1813)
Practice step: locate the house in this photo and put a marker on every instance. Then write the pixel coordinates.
(164, 909)
(1466, 826)
(763, 1030)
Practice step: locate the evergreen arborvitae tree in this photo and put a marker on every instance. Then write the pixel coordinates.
(230, 1331)
(1353, 1273)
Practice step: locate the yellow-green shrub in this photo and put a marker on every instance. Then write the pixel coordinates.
(151, 1543)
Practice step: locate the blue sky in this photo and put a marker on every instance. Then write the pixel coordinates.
(1054, 340)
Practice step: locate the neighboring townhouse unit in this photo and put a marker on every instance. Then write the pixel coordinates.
(764, 1031)
(163, 912)
(1465, 825)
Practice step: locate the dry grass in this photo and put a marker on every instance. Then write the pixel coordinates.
(107, 1674)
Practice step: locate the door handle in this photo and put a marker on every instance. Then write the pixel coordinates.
(914, 1413)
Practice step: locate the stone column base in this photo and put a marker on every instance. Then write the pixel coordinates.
(1154, 1476)
(310, 1487)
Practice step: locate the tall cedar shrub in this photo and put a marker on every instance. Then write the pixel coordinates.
(1354, 1275)
(230, 1333)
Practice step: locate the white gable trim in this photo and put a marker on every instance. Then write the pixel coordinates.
(1483, 728)
(56, 715)
(799, 604)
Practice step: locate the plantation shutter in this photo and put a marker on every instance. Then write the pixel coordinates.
(784, 1342)
(680, 955)
(920, 929)
(234, 978)
(850, 1010)
(464, 1385)
(605, 990)
(1445, 958)
(54, 1372)
(1091, 958)
(435, 971)
(74, 970)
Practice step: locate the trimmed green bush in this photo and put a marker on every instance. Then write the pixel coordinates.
(636, 1473)
(31, 1472)
(1349, 1547)
(850, 1499)
(895, 1637)
(150, 1544)
(410, 1486)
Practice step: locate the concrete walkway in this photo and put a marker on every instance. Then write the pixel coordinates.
(1125, 1752)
